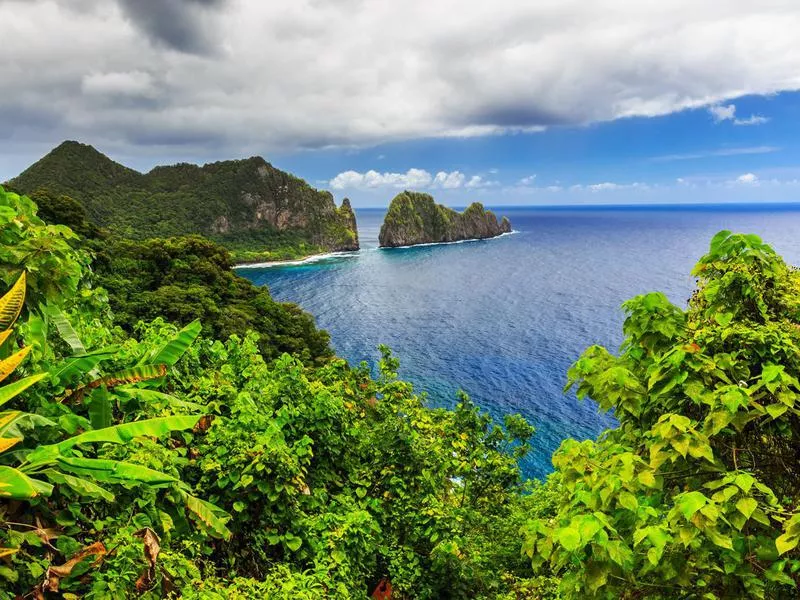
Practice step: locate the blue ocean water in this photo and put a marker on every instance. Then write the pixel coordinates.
(503, 319)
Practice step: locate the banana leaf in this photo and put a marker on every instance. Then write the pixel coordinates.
(119, 434)
(169, 353)
(14, 484)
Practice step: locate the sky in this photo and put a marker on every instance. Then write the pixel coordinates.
(506, 102)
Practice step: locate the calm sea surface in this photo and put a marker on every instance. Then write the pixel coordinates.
(503, 319)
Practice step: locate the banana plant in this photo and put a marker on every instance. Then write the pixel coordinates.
(38, 470)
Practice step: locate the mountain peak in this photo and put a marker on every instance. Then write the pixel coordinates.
(73, 168)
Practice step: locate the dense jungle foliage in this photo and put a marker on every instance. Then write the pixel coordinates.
(161, 462)
(164, 460)
(256, 211)
(183, 279)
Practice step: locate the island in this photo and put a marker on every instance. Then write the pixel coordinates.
(414, 218)
(257, 212)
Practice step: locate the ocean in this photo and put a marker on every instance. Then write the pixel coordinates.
(503, 319)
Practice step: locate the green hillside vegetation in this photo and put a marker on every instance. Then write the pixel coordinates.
(255, 210)
(183, 279)
(153, 460)
(414, 218)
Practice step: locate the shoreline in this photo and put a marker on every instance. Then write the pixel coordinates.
(494, 237)
(311, 258)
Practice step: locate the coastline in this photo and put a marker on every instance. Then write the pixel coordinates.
(311, 258)
(494, 237)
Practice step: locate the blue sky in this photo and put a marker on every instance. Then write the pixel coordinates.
(508, 102)
(689, 156)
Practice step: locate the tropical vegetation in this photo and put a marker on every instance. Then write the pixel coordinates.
(143, 453)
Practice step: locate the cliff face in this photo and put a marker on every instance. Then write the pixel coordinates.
(243, 204)
(414, 218)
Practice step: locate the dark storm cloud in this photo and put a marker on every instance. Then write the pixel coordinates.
(176, 24)
(514, 116)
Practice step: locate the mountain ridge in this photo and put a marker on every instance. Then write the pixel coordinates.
(254, 209)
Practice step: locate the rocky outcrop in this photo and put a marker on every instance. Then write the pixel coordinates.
(239, 203)
(414, 218)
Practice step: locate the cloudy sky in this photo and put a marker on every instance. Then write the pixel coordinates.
(508, 102)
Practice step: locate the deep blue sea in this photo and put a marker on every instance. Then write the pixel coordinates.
(504, 318)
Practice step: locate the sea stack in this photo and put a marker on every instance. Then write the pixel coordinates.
(414, 218)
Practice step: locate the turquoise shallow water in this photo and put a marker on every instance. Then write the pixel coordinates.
(503, 319)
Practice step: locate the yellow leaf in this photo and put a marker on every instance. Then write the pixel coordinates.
(8, 365)
(8, 551)
(7, 417)
(11, 303)
(6, 443)
(4, 336)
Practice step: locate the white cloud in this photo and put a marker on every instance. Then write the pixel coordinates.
(747, 178)
(443, 68)
(476, 181)
(728, 113)
(722, 113)
(752, 120)
(720, 152)
(527, 181)
(448, 181)
(131, 83)
(611, 186)
(411, 179)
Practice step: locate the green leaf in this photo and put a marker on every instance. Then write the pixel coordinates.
(786, 542)
(211, 516)
(776, 410)
(744, 481)
(293, 543)
(628, 500)
(15, 484)
(690, 502)
(569, 538)
(119, 434)
(647, 478)
(100, 408)
(80, 365)
(8, 392)
(65, 330)
(746, 506)
(723, 319)
(720, 540)
(172, 350)
(84, 487)
(113, 471)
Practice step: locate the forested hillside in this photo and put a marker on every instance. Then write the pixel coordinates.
(253, 209)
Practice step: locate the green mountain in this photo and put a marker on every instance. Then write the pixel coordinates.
(414, 218)
(255, 210)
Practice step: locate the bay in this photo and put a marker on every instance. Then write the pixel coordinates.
(503, 319)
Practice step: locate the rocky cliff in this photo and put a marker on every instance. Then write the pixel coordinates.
(414, 218)
(248, 205)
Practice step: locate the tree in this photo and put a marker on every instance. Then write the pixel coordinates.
(695, 493)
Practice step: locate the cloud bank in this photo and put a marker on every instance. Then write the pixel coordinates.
(233, 77)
